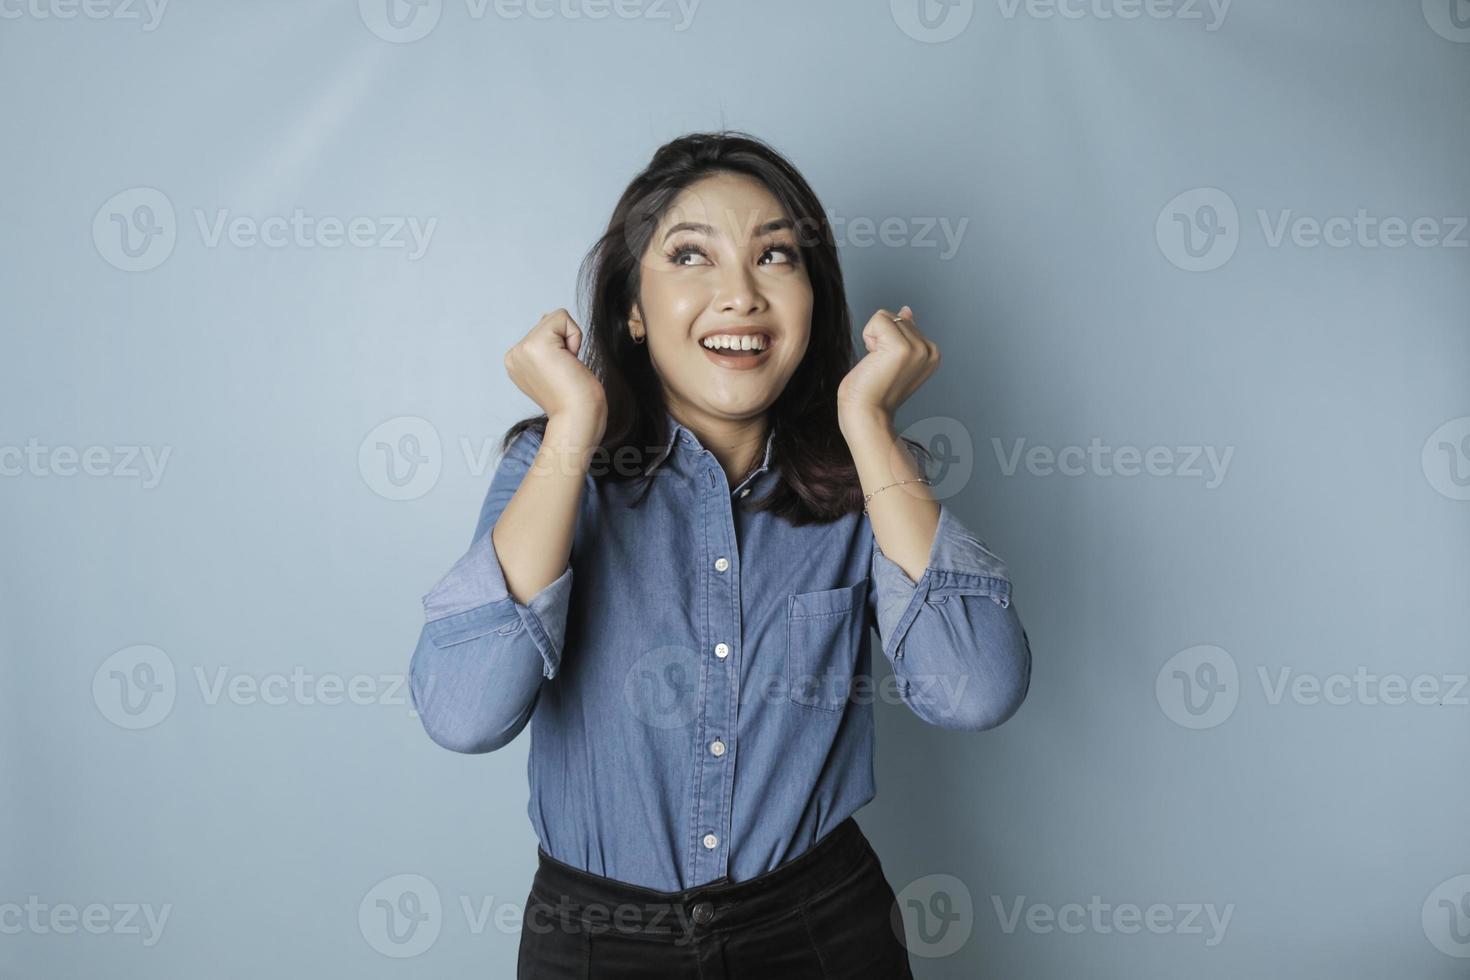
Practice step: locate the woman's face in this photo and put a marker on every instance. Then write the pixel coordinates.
(724, 263)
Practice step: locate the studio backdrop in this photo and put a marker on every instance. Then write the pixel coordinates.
(1200, 277)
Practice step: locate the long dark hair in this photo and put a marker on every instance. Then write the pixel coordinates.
(819, 482)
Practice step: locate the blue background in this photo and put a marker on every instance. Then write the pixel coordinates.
(330, 417)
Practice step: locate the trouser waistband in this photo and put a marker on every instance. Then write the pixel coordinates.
(581, 900)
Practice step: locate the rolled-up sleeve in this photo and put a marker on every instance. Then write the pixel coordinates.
(481, 657)
(960, 655)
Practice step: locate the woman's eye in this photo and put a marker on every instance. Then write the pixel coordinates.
(684, 251)
(787, 255)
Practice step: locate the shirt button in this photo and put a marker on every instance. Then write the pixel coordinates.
(717, 747)
(721, 564)
(722, 650)
(711, 841)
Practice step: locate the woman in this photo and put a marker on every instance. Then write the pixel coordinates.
(674, 576)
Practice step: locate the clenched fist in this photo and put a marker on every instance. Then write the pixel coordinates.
(545, 366)
(898, 362)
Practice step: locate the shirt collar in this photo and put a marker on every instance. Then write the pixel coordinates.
(681, 436)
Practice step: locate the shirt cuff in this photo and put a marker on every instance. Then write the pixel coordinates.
(475, 591)
(959, 563)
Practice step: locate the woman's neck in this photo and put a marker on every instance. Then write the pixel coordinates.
(738, 444)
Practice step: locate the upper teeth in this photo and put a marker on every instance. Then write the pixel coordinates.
(734, 342)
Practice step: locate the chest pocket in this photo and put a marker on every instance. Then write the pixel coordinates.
(823, 633)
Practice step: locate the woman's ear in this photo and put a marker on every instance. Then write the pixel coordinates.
(635, 322)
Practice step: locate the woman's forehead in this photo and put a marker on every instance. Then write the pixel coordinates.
(740, 207)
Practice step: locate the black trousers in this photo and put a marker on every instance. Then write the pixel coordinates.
(828, 913)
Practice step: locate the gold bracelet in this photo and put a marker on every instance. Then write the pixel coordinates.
(898, 484)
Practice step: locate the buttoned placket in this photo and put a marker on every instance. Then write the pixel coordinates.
(715, 745)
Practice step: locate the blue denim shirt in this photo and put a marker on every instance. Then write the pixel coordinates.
(699, 679)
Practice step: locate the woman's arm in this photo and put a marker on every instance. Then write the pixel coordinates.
(941, 600)
(533, 535)
(494, 626)
(486, 645)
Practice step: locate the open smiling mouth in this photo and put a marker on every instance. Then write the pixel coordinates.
(739, 353)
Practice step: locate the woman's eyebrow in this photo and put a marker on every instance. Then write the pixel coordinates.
(775, 224)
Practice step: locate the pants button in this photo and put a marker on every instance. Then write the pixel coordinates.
(703, 912)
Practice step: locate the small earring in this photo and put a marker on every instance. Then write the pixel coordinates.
(637, 339)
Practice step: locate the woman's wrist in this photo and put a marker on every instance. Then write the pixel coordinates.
(577, 430)
(865, 422)
(570, 443)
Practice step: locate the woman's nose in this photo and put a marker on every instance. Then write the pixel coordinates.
(738, 291)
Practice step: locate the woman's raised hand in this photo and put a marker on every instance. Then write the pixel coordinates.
(545, 366)
(899, 360)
